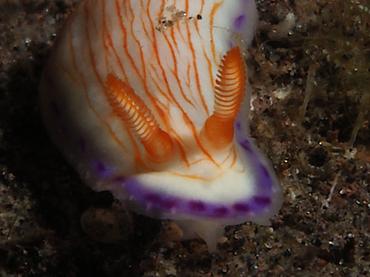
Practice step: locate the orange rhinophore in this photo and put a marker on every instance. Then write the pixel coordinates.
(133, 111)
(229, 91)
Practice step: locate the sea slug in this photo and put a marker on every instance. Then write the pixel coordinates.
(149, 100)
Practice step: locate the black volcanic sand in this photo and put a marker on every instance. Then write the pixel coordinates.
(322, 229)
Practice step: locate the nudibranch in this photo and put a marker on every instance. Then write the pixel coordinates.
(149, 100)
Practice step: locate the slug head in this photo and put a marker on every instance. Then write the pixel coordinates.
(218, 130)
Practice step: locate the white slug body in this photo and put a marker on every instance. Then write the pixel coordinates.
(147, 100)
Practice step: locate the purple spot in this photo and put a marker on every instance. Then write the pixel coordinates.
(101, 169)
(168, 204)
(197, 206)
(221, 211)
(246, 145)
(238, 126)
(241, 207)
(152, 198)
(239, 21)
(265, 172)
(262, 200)
(265, 181)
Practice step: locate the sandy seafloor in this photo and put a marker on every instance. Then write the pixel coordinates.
(322, 229)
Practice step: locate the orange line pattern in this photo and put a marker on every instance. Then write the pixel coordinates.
(165, 50)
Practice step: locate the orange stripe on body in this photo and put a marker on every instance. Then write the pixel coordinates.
(161, 9)
(235, 156)
(174, 40)
(173, 132)
(81, 77)
(231, 151)
(139, 164)
(188, 75)
(157, 56)
(196, 71)
(214, 10)
(144, 78)
(197, 21)
(181, 148)
(154, 75)
(190, 125)
(111, 44)
(104, 37)
(156, 103)
(187, 120)
(176, 72)
(209, 65)
(178, 22)
(154, 42)
(176, 137)
(192, 177)
(132, 20)
(152, 99)
(197, 161)
(138, 157)
(89, 43)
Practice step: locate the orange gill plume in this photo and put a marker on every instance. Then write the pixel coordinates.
(136, 115)
(218, 130)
